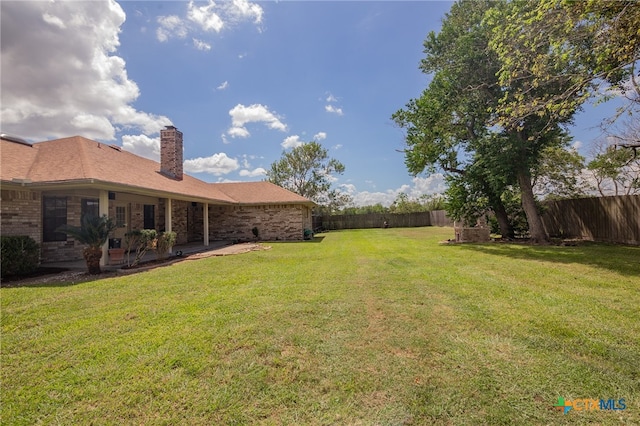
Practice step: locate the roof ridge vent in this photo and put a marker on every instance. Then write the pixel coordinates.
(14, 139)
(116, 147)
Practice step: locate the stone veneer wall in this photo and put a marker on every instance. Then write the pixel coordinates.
(274, 222)
(472, 235)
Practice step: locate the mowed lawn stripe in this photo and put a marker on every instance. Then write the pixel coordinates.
(381, 326)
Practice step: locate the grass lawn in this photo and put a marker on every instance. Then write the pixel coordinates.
(382, 326)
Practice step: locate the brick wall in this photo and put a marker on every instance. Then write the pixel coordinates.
(274, 222)
(21, 213)
(179, 214)
(171, 152)
(195, 222)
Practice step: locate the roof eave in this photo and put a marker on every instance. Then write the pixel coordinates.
(110, 186)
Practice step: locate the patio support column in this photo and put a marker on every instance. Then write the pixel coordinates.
(103, 209)
(167, 218)
(205, 219)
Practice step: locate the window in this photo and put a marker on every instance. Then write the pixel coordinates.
(149, 216)
(121, 221)
(90, 207)
(54, 214)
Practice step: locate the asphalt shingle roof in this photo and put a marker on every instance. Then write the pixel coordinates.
(80, 160)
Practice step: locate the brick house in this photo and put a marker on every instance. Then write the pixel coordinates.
(47, 184)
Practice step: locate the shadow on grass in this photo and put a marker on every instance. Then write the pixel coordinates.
(63, 278)
(622, 259)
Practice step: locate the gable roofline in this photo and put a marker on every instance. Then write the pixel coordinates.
(78, 162)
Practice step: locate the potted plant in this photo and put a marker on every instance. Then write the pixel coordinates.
(94, 232)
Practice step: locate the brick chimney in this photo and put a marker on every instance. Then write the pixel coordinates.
(171, 152)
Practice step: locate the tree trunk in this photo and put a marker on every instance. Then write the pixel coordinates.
(495, 201)
(92, 256)
(536, 229)
(506, 230)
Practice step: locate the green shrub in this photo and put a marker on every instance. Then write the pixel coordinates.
(20, 255)
(139, 241)
(164, 242)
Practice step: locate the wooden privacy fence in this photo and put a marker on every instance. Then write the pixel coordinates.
(376, 220)
(609, 219)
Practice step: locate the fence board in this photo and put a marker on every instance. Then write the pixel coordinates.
(609, 219)
(376, 220)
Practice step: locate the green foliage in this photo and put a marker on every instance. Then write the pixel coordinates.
(375, 208)
(307, 171)
(404, 204)
(505, 83)
(93, 232)
(20, 255)
(556, 54)
(616, 171)
(517, 217)
(163, 244)
(557, 175)
(139, 241)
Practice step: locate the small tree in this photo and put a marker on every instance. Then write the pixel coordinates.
(94, 232)
(307, 170)
(139, 241)
(164, 242)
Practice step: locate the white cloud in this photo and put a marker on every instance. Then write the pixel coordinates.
(201, 45)
(319, 136)
(334, 110)
(433, 184)
(253, 173)
(241, 10)
(54, 20)
(61, 77)
(331, 98)
(291, 142)
(256, 113)
(142, 145)
(171, 26)
(217, 164)
(206, 17)
(210, 17)
(337, 147)
(223, 86)
(238, 132)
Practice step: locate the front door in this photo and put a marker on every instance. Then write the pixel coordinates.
(123, 220)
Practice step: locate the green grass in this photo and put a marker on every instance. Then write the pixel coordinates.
(383, 326)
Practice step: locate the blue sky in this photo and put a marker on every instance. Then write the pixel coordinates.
(243, 81)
